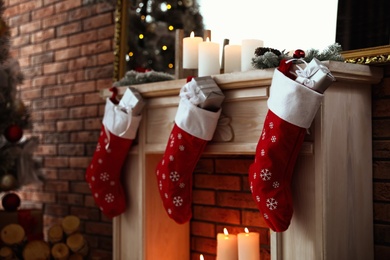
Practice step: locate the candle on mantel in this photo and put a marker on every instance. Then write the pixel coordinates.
(226, 246)
(248, 245)
(201, 257)
(232, 58)
(190, 51)
(208, 63)
(248, 48)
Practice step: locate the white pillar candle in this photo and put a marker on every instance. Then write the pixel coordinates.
(226, 246)
(248, 48)
(190, 51)
(248, 245)
(208, 58)
(232, 58)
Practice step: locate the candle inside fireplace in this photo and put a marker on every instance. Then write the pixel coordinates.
(190, 51)
(227, 246)
(248, 245)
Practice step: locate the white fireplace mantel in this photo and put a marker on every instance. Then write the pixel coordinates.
(332, 181)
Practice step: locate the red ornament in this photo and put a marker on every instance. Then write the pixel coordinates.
(299, 54)
(13, 133)
(10, 202)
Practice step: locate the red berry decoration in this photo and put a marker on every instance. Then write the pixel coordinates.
(10, 202)
(299, 54)
(13, 133)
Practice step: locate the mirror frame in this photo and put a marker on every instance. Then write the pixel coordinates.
(379, 55)
(120, 17)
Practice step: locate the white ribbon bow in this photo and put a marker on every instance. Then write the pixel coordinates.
(189, 91)
(304, 75)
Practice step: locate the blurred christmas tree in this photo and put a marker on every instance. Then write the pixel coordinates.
(151, 32)
(15, 151)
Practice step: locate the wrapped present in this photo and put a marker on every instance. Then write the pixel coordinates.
(30, 219)
(132, 99)
(315, 76)
(204, 93)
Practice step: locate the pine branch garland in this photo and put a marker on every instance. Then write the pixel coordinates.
(332, 52)
(267, 60)
(133, 77)
(270, 58)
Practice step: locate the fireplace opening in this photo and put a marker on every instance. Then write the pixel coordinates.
(222, 199)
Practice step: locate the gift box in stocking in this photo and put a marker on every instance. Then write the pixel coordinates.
(193, 128)
(292, 108)
(103, 175)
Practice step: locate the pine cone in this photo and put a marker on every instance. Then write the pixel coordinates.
(261, 50)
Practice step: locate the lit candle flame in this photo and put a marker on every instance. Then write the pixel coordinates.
(246, 230)
(225, 232)
(201, 257)
(192, 35)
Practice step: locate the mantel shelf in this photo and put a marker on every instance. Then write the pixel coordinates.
(254, 78)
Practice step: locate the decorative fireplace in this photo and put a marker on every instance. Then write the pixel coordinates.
(332, 180)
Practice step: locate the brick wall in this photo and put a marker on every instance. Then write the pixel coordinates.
(65, 49)
(381, 166)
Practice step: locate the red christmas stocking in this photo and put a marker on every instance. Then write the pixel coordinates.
(193, 128)
(103, 174)
(292, 108)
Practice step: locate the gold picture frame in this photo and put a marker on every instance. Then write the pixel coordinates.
(379, 55)
(119, 39)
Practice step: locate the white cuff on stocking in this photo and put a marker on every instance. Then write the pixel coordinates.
(119, 122)
(292, 101)
(196, 121)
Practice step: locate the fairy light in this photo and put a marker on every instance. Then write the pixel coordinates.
(141, 36)
(164, 47)
(171, 28)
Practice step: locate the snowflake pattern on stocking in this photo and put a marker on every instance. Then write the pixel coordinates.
(276, 152)
(104, 176)
(177, 201)
(174, 173)
(174, 176)
(109, 198)
(265, 175)
(272, 204)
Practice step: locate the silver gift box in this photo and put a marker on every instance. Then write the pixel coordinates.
(209, 94)
(132, 99)
(318, 76)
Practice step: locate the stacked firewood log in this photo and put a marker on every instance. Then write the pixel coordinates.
(65, 242)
